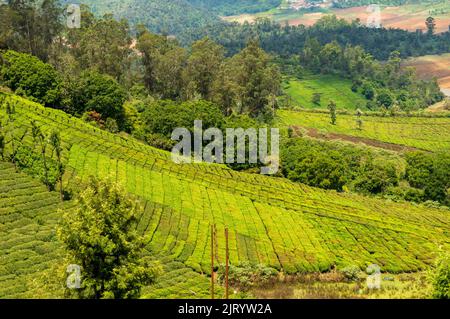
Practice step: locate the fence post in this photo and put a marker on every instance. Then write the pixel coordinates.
(212, 261)
(227, 258)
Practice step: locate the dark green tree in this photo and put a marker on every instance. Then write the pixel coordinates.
(97, 92)
(316, 98)
(30, 77)
(100, 236)
(55, 143)
(332, 109)
(431, 25)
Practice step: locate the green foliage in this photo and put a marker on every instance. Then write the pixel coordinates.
(332, 109)
(111, 125)
(202, 67)
(246, 275)
(431, 173)
(335, 166)
(99, 237)
(376, 177)
(247, 81)
(441, 277)
(162, 117)
(30, 77)
(97, 92)
(290, 40)
(233, 7)
(316, 98)
(32, 164)
(30, 26)
(177, 17)
(351, 273)
(102, 44)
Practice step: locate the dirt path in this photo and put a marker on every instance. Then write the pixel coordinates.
(314, 133)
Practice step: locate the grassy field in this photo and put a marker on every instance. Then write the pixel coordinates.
(329, 87)
(272, 221)
(408, 17)
(432, 134)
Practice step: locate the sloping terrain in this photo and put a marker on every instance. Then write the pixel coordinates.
(28, 218)
(424, 133)
(409, 16)
(272, 221)
(433, 66)
(329, 87)
(174, 17)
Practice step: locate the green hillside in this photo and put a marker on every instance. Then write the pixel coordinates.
(330, 88)
(28, 218)
(230, 7)
(272, 221)
(432, 134)
(175, 17)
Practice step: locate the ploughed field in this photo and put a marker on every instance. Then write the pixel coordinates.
(273, 221)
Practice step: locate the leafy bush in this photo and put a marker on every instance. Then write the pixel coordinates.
(162, 117)
(32, 164)
(351, 273)
(28, 76)
(97, 92)
(430, 173)
(441, 277)
(245, 275)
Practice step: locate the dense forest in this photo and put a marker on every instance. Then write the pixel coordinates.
(231, 7)
(288, 40)
(191, 20)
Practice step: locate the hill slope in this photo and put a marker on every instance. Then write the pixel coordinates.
(175, 17)
(272, 221)
(431, 134)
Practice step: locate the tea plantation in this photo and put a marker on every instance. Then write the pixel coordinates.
(272, 221)
(425, 133)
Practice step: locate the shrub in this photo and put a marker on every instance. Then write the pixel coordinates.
(32, 164)
(97, 92)
(246, 275)
(163, 117)
(351, 273)
(28, 76)
(441, 277)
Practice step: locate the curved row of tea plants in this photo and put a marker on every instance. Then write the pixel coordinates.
(272, 221)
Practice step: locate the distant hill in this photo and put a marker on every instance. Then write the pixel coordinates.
(174, 17)
(231, 7)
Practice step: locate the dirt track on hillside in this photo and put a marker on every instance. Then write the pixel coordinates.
(314, 133)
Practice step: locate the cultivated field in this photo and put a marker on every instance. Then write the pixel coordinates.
(408, 17)
(329, 87)
(273, 221)
(433, 66)
(432, 134)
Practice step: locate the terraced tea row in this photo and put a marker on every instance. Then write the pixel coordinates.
(28, 243)
(272, 221)
(432, 134)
